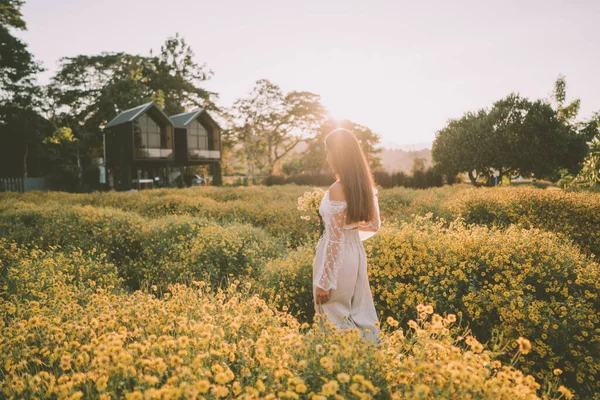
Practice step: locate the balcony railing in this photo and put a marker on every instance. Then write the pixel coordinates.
(198, 154)
(154, 153)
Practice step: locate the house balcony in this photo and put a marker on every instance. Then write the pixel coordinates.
(154, 154)
(203, 154)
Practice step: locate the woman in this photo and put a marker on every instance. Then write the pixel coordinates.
(350, 212)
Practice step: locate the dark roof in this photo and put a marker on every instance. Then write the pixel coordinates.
(133, 113)
(184, 119)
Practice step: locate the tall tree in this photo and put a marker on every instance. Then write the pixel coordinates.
(516, 136)
(94, 89)
(21, 126)
(17, 65)
(180, 78)
(589, 174)
(565, 112)
(463, 145)
(90, 90)
(269, 124)
(314, 158)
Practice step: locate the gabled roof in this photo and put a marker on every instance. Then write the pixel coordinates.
(133, 113)
(184, 119)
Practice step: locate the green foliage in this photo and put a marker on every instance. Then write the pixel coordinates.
(575, 216)
(565, 112)
(270, 123)
(96, 88)
(518, 282)
(508, 281)
(17, 65)
(313, 160)
(516, 136)
(146, 252)
(511, 282)
(463, 145)
(60, 136)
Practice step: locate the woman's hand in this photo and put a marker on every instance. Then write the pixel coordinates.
(322, 296)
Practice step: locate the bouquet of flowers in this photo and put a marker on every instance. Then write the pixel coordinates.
(309, 203)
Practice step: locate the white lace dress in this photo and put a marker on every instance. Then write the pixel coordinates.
(340, 265)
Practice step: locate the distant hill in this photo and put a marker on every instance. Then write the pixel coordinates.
(406, 147)
(399, 158)
(396, 160)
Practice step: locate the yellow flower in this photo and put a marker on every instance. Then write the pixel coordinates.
(101, 383)
(565, 392)
(330, 388)
(220, 391)
(65, 362)
(524, 345)
(137, 395)
(326, 362)
(422, 390)
(236, 388)
(557, 371)
(343, 377)
(301, 388)
(203, 386)
(392, 322)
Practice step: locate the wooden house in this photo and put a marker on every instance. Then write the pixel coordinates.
(145, 148)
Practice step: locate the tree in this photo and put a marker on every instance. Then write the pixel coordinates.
(178, 78)
(463, 145)
(314, 159)
(269, 123)
(589, 174)
(17, 65)
(530, 138)
(21, 126)
(21, 135)
(565, 112)
(62, 148)
(94, 89)
(89, 91)
(516, 136)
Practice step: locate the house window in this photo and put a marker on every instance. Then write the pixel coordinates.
(197, 136)
(148, 134)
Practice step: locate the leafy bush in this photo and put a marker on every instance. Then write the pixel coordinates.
(146, 251)
(573, 215)
(228, 344)
(512, 281)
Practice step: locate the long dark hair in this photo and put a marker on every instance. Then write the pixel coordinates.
(349, 162)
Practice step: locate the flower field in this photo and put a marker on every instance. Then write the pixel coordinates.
(206, 293)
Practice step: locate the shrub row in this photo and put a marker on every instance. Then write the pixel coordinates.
(273, 209)
(145, 251)
(514, 282)
(197, 343)
(571, 214)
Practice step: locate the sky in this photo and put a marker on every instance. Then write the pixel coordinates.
(402, 68)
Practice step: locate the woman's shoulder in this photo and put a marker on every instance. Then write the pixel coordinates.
(336, 192)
